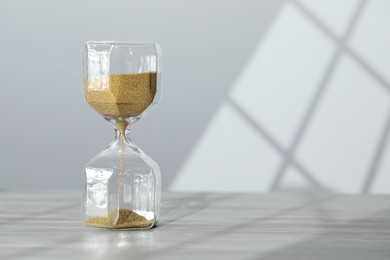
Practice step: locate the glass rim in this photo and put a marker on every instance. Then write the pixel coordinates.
(120, 42)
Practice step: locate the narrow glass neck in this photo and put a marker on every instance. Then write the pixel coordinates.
(127, 135)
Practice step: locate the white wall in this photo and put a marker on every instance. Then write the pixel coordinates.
(257, 95)
(310, 109)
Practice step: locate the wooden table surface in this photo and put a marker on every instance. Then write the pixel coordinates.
(47, 225)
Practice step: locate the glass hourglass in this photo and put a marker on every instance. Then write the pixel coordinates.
(122, 185)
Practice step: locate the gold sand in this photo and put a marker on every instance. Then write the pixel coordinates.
(127, 219)
(121, 96)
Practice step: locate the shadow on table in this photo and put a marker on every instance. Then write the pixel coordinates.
(18, 217)
(205, 238)
(364, 238)
(175, 208)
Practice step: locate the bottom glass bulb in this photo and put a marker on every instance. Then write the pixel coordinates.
(122, 188)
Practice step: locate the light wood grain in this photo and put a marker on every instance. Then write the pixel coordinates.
(47, 225)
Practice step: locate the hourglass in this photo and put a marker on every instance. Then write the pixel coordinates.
(122, 185)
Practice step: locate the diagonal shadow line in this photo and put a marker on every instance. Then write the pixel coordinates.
(312, 108)
(373, 170)
(306, 120)
(193, 137)
(375, 75)
(305, 173)
(346, 48)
